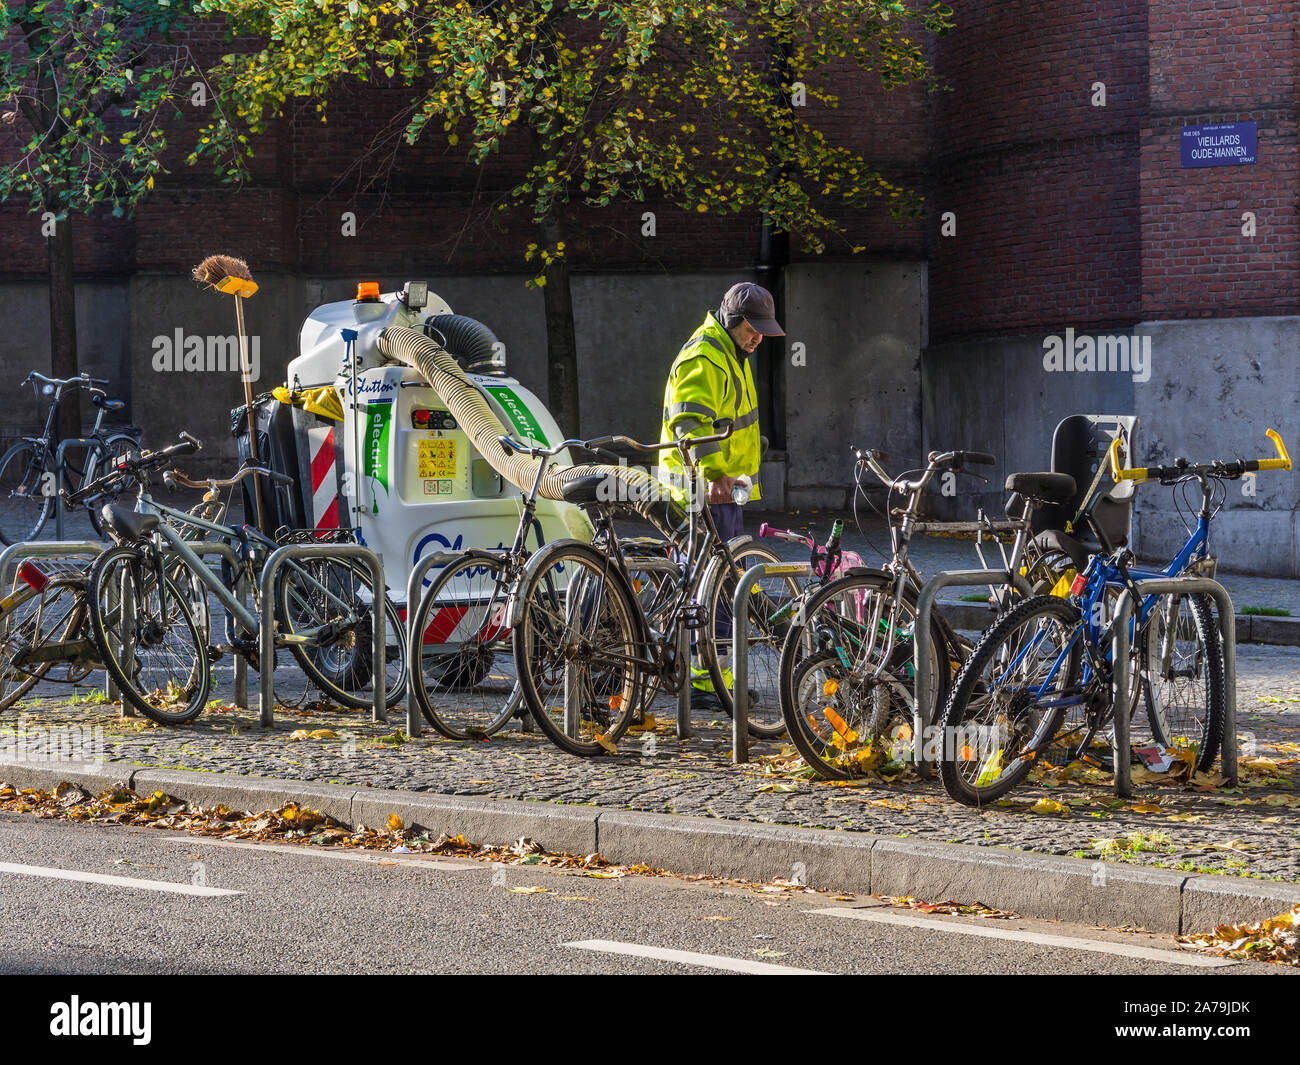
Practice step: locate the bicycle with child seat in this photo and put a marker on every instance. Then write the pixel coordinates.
(592, 649)
(143, 625)
(846, 672)
(1039, 680)
(29, 469)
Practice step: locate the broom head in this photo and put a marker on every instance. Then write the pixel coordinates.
(226, 274)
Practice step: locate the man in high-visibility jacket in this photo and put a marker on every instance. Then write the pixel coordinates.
(711, 380)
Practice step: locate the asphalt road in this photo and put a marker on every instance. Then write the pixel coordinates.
(182, 903)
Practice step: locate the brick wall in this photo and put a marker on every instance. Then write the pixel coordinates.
(1044, 185)
(1216, 62)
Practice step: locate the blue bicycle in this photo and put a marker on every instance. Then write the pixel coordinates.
(1038, 684)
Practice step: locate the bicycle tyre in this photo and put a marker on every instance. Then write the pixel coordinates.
(462, 609)
(1204, 661)
(764, 718)
(582, 625)
(99, 462)
(24, 507)
(139, 685)
(958, 715)
(822, 614)
(342, 670)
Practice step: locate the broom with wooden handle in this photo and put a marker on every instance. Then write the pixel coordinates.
(231, 276)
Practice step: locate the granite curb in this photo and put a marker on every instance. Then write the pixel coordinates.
(1032, 884)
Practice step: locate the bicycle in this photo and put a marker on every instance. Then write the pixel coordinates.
(587, 637)
(143, 624)
(1039, 680)
(29, 472)
(847, 673)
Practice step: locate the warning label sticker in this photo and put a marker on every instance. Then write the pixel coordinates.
(437, 458)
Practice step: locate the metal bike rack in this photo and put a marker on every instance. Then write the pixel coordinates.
(226, 551)
(740, 650)
(414, 642)
(1228, 633)
(266, 630)
(924, 683)
(61, 464)
(55, 549)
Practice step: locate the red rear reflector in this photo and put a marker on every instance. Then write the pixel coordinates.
(1080, 583)
(32, 577)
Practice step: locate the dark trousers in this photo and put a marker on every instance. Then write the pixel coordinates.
(730, 521)
(728, 518)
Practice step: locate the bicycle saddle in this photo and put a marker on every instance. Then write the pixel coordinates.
(583, 490)
(128, 524)
(1043, 487)
(109, 404)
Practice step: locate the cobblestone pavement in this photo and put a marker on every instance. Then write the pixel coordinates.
(1253, 830)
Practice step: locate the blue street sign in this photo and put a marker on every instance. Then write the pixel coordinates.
(1226, 144)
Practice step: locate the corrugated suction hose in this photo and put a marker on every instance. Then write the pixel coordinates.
(645, 494)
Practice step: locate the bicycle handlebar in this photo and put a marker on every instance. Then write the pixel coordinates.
(509, 444)
(80, 379)
(1182, 468)
(936, 461)
(125, 467)
(178, 477)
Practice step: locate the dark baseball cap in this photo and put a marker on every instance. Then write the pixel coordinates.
(753, 303)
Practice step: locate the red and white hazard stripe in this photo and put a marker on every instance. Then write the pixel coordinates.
(325, 504)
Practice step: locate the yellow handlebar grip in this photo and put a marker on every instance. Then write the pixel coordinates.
(1113, 451)
(1139, 474)
(1283, 460)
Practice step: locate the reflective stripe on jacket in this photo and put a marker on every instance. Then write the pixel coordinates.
(709, 381)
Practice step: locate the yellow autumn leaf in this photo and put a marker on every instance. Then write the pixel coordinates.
(1048, 806)
(1147, 808)
(394, 823)
(528, 890)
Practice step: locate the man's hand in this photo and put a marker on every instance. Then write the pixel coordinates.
(720, 490)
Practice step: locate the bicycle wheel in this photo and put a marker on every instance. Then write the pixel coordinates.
(576, 648)
(26, 492)
(1011, 697)
(34, 620)
(331, 601)
(466, 686)
(1182, 676)
(156, 655)
(100, 461)
(852, 716)
(765, 637)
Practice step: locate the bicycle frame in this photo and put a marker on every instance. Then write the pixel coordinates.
(169, 533)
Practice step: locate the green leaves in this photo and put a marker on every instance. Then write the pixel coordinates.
(690, 100)
(96, 80)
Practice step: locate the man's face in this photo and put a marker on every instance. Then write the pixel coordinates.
(747, 338)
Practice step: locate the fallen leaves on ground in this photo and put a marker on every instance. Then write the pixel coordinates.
(296, 824)
(959, 909)
(1276, 939)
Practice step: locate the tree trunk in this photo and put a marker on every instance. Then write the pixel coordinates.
(561, 345)
(63, 323)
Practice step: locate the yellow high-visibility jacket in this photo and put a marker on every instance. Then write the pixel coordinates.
(709, 380)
